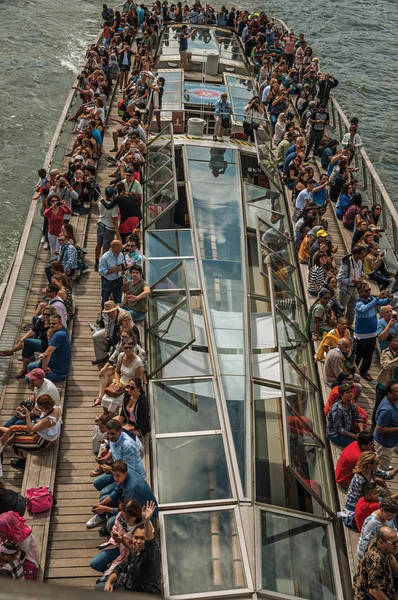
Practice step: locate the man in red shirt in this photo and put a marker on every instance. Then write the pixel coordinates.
(349, 457)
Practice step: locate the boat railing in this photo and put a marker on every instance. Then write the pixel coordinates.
(366, 174)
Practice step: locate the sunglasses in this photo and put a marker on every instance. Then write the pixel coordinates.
(53, 324)
(130, 387)
(127, 347)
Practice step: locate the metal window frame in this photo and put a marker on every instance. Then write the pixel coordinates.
(154, 235)
(322, 521)
(186, 300)
(149, 223)
(252, 202)
(224, 415)
(270, 172)
(243, 592)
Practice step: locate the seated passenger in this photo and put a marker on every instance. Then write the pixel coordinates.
(337, 360)
(137, 290)
(383, 516)
(334, 395)
(10, 500)
(349, 457)
(11, 560)
(33, 437)
(127, 484)
(14, 529)
(368, 503)
(134, 413)
(343, 422)
(140, 571)
(366, 471)
(56, 359)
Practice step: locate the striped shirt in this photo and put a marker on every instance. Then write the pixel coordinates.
(317, 276)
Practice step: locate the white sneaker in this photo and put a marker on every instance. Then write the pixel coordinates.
(46, 246)
(43, 239)
(95, 521)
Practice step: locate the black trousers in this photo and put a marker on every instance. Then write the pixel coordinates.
(364, 352)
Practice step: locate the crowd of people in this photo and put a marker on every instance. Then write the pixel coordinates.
(348, 321)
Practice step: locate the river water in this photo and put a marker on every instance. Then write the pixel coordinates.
(44, 42)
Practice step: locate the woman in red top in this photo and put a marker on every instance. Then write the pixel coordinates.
(55, 211)
(334, 396)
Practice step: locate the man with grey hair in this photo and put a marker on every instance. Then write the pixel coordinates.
(336, 361)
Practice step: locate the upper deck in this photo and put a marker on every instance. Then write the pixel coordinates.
(240, 463)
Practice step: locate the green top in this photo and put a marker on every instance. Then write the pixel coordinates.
(136, 289)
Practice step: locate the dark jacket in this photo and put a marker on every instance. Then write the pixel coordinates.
(141, 412)
(326, 86)
(115, 337)
(140, 572)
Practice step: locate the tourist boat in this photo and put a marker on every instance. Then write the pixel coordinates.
(238, 456)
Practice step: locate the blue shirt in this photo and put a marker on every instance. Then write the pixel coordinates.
(126, 448)
(108, 261)
(135, 488)
(387, 416)
(223, 109)
(183, 42)
(320, 197)
(97, 136)
(60, 359)
(381, 325)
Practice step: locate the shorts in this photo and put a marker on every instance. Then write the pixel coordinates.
(105, 236)
(125, 68)
(120, 133)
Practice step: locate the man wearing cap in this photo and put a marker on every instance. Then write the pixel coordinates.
(41, 385)
(102, 336)
(108, 225)
(110, 268)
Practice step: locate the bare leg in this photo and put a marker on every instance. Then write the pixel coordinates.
(115, 140)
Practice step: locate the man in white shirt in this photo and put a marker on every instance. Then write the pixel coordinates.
(37, 380)
(303, 199)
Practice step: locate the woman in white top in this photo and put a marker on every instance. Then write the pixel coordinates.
(352, 140)
(33, 437)
(128, 365)
(279, 129)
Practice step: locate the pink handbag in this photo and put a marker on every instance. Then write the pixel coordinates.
(39, 499)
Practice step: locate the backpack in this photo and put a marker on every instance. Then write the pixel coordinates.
(39, 499)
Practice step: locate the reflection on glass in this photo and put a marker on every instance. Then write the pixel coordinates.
(235, 393)
(192, 469)
(275, 484)
(305, 454)
(157, 269)
(202, 93)
(203, 552)
(173, 242)
(217, 209)
(296, 557)
(160, 187)
(184, 406)
(240, 92)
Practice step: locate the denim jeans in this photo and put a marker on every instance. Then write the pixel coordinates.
(54, 377)
(30, 346)
(382, 281)
(342, 440)
(102, 560)
(15, 420)
(136, 314)
(103, 481)
(107, 288)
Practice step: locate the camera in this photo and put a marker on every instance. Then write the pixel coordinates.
(58, 203)
(394, 315)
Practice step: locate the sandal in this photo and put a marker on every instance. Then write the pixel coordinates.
(96, 472)
(20, 374)
(6, 353)
(96, 402)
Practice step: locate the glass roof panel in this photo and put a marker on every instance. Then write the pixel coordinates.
(203, 552)
(188, 405)
(235, 394)
(157, 269)
(173, 242)
(192, 469)
(296, 557)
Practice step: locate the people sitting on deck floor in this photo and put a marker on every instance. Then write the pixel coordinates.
(367, 470)
(388, 363)
(376, 570)
(371, 515)
(11, 560)
(356, 388)
(134, 413)
(386, 430)
(32, 437)
(337, 360)
(350, 455)
(14, 529)
(137, 291)
(125, 484)
(56, 360)
(11, 501)
(111, 265)
(344, 422)
(102, 337)
(140, 570)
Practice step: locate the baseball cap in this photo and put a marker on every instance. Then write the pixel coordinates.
(109, 191)
(36, 374)
(78, 157)
(321, 233)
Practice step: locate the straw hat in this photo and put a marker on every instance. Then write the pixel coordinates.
(109, 306)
